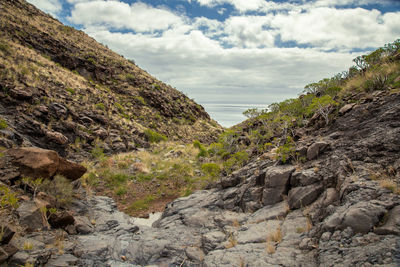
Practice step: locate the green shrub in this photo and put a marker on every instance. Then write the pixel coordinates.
(140, 100)
(60, 188)
(5, 48)
(154, 137)
(203, 151)
(287, 150)
(97, 152)
(141, 204)
(100, 106)
(8, 198)
(3, 124)
(70, 91)
(211, 169)
(115, 179)
(236, 161)
(121, 191)
(130, 78)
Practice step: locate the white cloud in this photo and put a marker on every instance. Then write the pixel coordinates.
(49, 6)
(237, 60)
(118, 15)
(330, 28)
(247, 31)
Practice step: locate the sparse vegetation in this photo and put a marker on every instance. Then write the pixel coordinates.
(154, 137)
(8, 199)
(60, 188)
(3, 124)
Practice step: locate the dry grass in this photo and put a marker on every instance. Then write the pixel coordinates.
(276, 236)
(270, 248)
(144, 181)
(390, 185)
(386, 179)
(231, 242)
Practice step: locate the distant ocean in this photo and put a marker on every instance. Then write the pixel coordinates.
(229, 114)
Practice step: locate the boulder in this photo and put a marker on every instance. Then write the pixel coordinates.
(304, 178)
(276, 183)
(6, 251)
(360, 217)
(57, 137)
(346, 108)
(30, 215)
(302, 196)
(316, 149)
(392, 224)
(61, 219)
(70, 170)
(37, 162)
(83, 225)
(6, 234)
(23, 93)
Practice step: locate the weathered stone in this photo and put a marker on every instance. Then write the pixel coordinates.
(316, 149)
(83, 225)
(57, 137)
(362, 217)
(302, 196)
(70, 170)
(35, 162)
(392, 224)
(195, 254)
(30, 215)
(276, 183)
(64, 260)
(23, 93)
(346, 108)
(6, 234)
(61, 219)
(278, 176)
(278, 210)
(7, 251)
(272, 196)
(304, 178)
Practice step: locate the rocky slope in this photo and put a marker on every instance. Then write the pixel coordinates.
(61, 90)
(341, 207)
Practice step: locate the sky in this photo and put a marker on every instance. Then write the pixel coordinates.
(230, 55)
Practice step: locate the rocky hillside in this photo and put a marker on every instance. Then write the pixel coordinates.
(61, 90)
(339, 207)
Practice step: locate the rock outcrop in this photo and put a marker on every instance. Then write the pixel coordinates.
(36, 163)
(61, 90)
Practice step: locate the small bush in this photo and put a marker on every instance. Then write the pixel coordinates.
(70, 91)
(60, 188)
(8, 198)
(97, 152)
(141, 204)
(130, 78)
(286, 151)
(236, 161)
(3, 124)
(121, 191)
(5, 48)
(154, 137)
(140, 100)
(100, 106)
(211, 169)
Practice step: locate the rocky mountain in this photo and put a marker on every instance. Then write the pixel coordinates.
(61, 90)
(341, 207)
